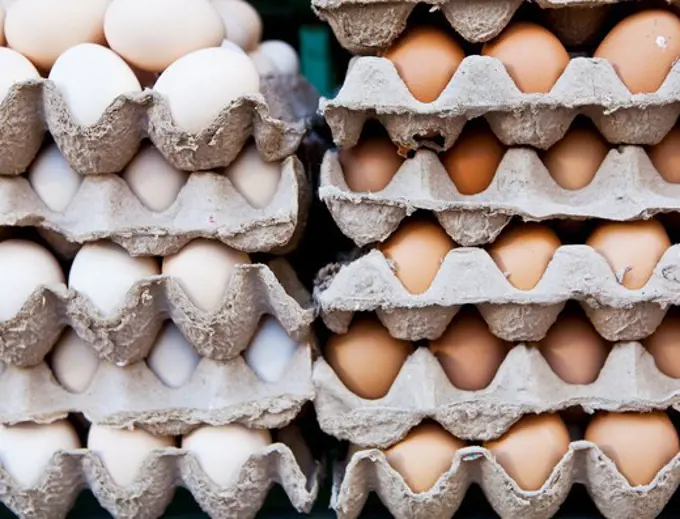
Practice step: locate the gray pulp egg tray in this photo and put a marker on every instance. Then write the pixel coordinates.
(482, 87)
(626, 187)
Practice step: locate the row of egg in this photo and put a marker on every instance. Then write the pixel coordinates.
(152, 179)
(522, 252)
(642, 48)
(474, 159)
(640, 445)
(27, 449)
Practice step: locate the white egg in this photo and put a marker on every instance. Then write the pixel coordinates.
(230, 45)
(242, 23)
(25, 267)
(74, 362)
(270, 350)
(200, 85)
(172, 358)
(27, 449)
(123, 451)
(105, 272)
(264, 66)
(52, 179)
(203, 268)
(14, 68)
(282, 55)
(222, 451)
(153, 179)
(90, 77)
(255, 179)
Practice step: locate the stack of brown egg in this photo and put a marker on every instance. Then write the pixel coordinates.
(515, 332)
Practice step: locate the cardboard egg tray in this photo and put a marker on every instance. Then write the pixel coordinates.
(70, 472)
(208, 206)
(470, 276)
(275, 118)
(524, 384)
(482, 87)
(127, 337)
(626, 187)
(584, 463)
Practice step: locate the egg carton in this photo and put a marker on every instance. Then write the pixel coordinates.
(625, 187)
(208, 206)
(70, 472)
(482, 87)
(470, 276)
(583, 463)
(524, 384)
(127, 336)
(276, 118)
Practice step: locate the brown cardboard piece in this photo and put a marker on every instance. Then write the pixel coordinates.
(481, 86)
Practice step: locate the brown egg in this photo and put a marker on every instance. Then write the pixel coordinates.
(531, 449)
(468, 352)
(370, 165)
(574, 350)
(631, 248)
(416, 251)
(574, 160)
(665, 156)
(642, 48)
(639, 444)
(424, 456)
(524, 252)
(664, 344)
(532, 55)
(473, 160)
(426, 59)
(367, 358)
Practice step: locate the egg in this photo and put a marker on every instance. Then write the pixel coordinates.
(533, 57)
(74, 362)
(104, 272)
(90, 77)
(416, 252)
(632, 249)
(52, 179)
(270, 350)
(423, 456)
(15, 69)
(255, 179)
(573, 161)
(153, 179)
(264, 66)
(426, 59)
(203, 268)
(230, 45)
(531, 448)
(26, 266)
(665, 156)
(664, 344)
(639, 444)
(367, 359)
(200, 85)
(642, 49)
(124, 451)
(151, 34)
(172, 358)
(26, 449)
(468, 352)
(574, 350)
(242, 23)
(370, 165)
(473, 160)
(222, 451)
(523, 253)
(42, 30)
(282, 55)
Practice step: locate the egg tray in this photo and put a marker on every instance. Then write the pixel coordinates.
(583, 463)
(276, 118)
(70, 472)
(128, 335)
(625, 187)
(470, 276)
(482, 87)
(208, 206)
